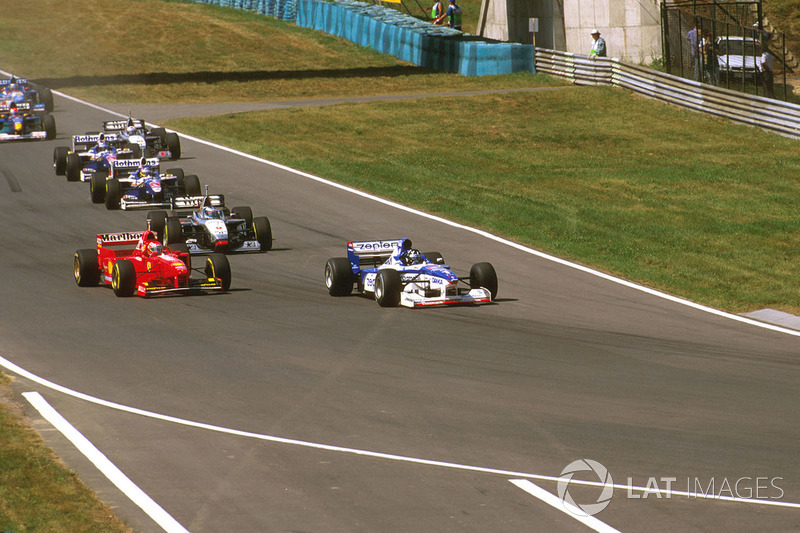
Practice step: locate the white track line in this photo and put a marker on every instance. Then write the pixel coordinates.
(482, 233)
(8, 365)
(109, 469)
(565, 507)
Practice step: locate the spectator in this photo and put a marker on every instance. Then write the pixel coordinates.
(454, 12)
(767, 76)
(694, 50)
(436, 12)
(710, 58)
(598, 45)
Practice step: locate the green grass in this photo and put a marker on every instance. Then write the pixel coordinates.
(672, 199)
(37, 492)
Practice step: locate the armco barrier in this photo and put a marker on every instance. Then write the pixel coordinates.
(391, 32)
(774, 115)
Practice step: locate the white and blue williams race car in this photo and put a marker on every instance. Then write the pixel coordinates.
(398, 274)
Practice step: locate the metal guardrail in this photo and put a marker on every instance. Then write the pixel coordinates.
(774, 115)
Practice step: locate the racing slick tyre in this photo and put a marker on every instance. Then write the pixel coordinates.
(49, 125)
(135, 151)
(339, 276)
(123, 278)
(113, 193)
(161, 133)
(97, 187)
(158, 223)
(182, 248)
(46, 97)
(483, 275)
(85, 268)
(387, 288)
(434, 257)
(178, 173)
(173, 232)
(217, 266)
(60, 160)
(173, 143)
(191, 185)
(244, 212)
(263, 231)
(72, 168)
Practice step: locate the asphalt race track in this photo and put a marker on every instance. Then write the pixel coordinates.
(302, 393)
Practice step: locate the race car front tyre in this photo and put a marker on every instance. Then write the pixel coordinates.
(123, 278)
(191, 184)
(387, 288)
(85, 268)
(339, 276)
(483, 275)
(49, 126)
(113, 193)
(217, 266)
(173, 232)
(263, 231)
(173, 145)
(97, 187)
(72, 168)
(158, 223)
(244, 212)
(60, 160)
(434, 257)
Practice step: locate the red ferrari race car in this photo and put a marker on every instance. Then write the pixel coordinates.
(137, 263)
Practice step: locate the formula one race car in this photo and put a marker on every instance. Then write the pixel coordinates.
(396, 274)
(156, 142)
(137, 263)
(90, 153)
(18, 122)
(212, 227)
(140, 184)
(20, 90)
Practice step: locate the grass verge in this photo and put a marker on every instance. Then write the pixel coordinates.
(37, 492)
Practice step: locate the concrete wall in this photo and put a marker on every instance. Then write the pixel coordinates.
(631, 28)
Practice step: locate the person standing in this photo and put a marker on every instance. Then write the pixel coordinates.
(454, 12)
(694, 50)
(436, 11)
(710, 58)
(598, 45)
(766, 72)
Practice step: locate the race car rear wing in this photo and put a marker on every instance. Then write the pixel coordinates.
(119, 125)
(84, 142)
(193, 202)
(18, 81)
(5, 105)
(370, 254)
(128, 240)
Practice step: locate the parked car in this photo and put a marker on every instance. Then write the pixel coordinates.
(738, 56)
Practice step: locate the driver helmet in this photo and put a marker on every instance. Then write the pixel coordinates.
(130, 130)
(412, 257)
(155, 248)
(101, 142)
(210, 212)
(144, 168)
(12, 108)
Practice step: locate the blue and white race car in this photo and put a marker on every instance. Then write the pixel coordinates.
(156, 142)
(398, 274)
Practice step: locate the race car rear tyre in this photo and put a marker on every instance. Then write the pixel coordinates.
(135, 151)
(161, 133)
(263, 231)
(46, 97)
(158, 223)
(60, 160)
(72, 168)
(434, 257)
(173, 145)
(182, 248)
(387, 288)
(483, 275)
(97, 187)
(113, 193)
(49, 125)
(339, 276)
(173, 232)
(244, 212)
(191, 184)
(217, 266)
(123, 278)
(85, 268)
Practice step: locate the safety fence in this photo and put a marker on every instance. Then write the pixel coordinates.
(774, 115)
(403, 36)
